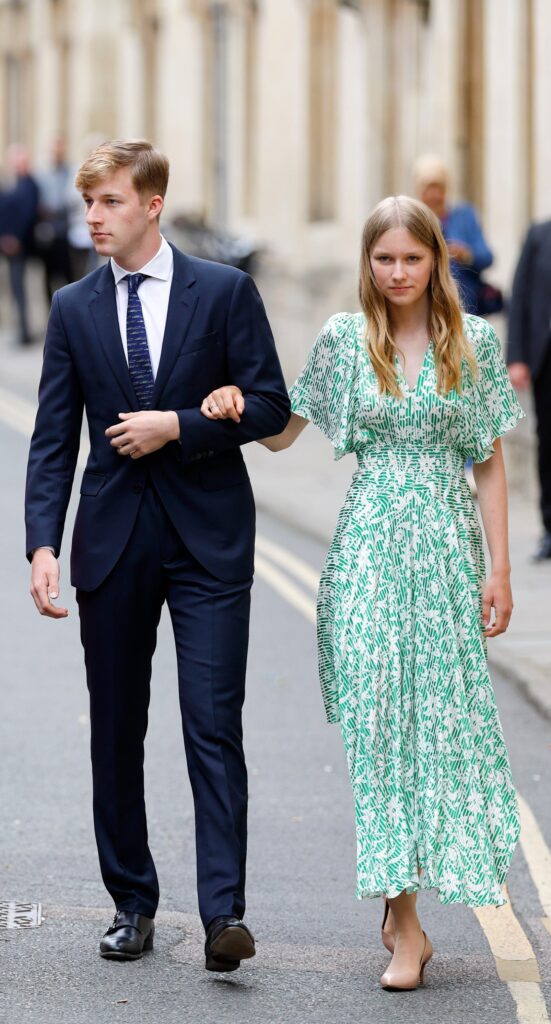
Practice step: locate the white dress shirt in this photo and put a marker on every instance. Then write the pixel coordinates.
(153, 293)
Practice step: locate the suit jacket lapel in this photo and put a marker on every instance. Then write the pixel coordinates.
(181, 308)
(103, 307)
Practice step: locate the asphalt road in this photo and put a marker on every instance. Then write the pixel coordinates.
(319, 954)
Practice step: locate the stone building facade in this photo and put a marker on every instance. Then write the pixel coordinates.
(291, 118)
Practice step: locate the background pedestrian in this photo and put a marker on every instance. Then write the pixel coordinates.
(529, 354)
(18, 214)
(82, 254)
(51, 230)
(468, 249)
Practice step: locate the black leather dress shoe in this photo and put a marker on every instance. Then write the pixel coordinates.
(543, 549)
(128, 938)
(228, 942)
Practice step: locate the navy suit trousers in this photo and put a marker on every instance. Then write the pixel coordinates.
(119, 623)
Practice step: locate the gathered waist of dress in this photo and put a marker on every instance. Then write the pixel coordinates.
(384, 468)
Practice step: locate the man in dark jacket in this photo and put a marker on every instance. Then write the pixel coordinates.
(52, 228)
(529, 353)
(18, 213)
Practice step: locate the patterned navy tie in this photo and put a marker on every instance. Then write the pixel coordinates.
(139, 360)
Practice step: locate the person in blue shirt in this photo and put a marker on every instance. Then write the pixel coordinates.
(469, 251)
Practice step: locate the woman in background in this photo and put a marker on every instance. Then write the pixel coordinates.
(469, 251)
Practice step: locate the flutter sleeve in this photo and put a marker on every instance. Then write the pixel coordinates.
(324, 391)
(493, 405)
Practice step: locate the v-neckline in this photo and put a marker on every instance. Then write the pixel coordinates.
(402, 376)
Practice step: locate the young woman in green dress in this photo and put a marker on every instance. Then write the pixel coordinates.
(413, 387)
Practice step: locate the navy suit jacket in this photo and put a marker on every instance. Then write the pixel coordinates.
(529, 334)
(216, 333)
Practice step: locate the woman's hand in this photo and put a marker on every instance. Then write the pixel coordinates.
(492, 500)
(461, 252)
(225, 403)
(497, 595)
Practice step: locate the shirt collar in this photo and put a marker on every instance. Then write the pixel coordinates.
(159, 267)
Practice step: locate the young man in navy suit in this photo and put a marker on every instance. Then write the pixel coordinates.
(166, 514)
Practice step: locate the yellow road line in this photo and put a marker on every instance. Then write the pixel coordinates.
(514, 956)
(286, 588)
(538, 857)
(19, 414)
(286, 560)
(530, 1004)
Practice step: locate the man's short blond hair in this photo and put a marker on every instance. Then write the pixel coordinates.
(149, 167)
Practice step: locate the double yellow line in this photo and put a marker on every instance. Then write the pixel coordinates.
(515, 960)
(288, 575)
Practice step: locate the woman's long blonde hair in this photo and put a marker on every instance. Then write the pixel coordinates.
(445, 325)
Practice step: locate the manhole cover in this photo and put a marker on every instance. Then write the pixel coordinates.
(20, 915)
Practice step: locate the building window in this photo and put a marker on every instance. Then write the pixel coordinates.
(322, 109)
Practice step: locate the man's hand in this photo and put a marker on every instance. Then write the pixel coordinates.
(225, 403)
(45, 584)
(140, 433)
(520, 375)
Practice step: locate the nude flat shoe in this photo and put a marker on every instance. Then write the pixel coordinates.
(387, 937)
(408, 981)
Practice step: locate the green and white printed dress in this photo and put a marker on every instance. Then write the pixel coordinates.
(401, 650)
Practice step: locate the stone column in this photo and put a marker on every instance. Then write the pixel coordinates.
(93, 74)
(354, 163)
(282, 142)
(45, 82)
(541, 72)
(506, 153)
(236, 127)
(130, 78)
(441, 82)
(379, 131)
(181, 104)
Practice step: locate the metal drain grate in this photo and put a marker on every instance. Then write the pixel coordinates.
(20, 915)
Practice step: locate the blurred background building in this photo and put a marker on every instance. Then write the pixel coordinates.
(289, 119)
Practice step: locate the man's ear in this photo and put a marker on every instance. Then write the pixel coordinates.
(155, 207)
